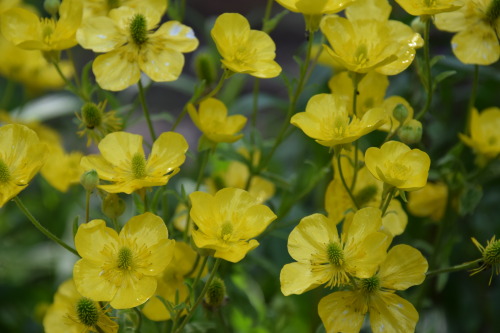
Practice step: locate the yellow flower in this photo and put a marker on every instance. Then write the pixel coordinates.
(429, 201)
(62, 169)
(484, 135)
(171, 284)
(389, 105)
(73, 313)
(227, 222)
(490, 255)
(213, 121)
(426, 7)
(103, 7)
(244, 50)
(130, 46)
(28, 31)
(96, 123)
(397, 165)
(366, 40)
(21, 157)
(477, 25)
(327, 120)
(344, 311)
(122, 268)
(122, 161)
(325, 258)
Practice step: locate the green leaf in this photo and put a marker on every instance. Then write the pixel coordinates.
(469, 199)
(440, 77)
(271, 24)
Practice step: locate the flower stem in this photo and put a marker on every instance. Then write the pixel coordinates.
(472, 99)
(145, 109)
(87, 205)
(462, 267)
(341, 174)
(387, 200)
(427, 68)
(41, 228)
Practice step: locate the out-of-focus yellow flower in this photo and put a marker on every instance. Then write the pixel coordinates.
(96, 123)
(73, 313)
(28, 31)
(399, 166)
(325, 258)
(227, 222)
(344, 311)
(484, 134)
(171, 284)
(429, 201)
(122, 161)
(389, 105)
(94, 8)
(426, 7)
(477, 25)
(244, 50)
(327, 120)
(366, 40)
(21, 157)
(122, 268)
(490, 255)
(130, 46)
(212, 119)
(62, 169)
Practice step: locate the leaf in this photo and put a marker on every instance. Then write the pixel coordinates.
(469, 199)
(269, 25)
(440, 77)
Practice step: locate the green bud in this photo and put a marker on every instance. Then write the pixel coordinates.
(417, 25)
(113, 206)
(91, 115)
(205, 67)
(216, 293)
(87, 312)
(89, 180)
(400, 112)
(411, 132)
(51, 6)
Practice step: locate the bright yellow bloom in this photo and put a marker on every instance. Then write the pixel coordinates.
(344, 311)
(490, 255)
(122, 268)
(426, 7)
(325, 258)
(429, 201)
(123, 164)
(130, 46)
(94, 8)
(62, 169)
(21, 156)
(28, 31)
(477, 25)
(366, 40)
(484, 134)
(227, 222)
(73, 313)
(397, 165)
(213, 121)
(171, 284)
(244, 50)
(327, 120)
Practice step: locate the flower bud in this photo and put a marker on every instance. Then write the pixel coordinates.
(113, 206)
(205, 67)
(216, 293)
(411, 132)
(91, 115)
(89, 180)
(417, 25)
(51, 6)
(400, 113)
(87, 312)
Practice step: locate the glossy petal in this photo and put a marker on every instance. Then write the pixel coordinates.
(390, 313)
(342, 311)
(118, 69)
(133, 293)
(178, 36)
(161, 65)
(92, 237)
(477, 45)
(119, 147)
(297, 278)
(20, 25)
(90, 282)
(100, 34)
(168, 153)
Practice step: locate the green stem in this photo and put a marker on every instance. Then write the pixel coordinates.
(116, 225)
(200, 297)
(200, 272)
(387, 200)
(472, 99)
(72, 60)
(87, 205)
(7, 95)
(267, 13)
(145, 109)
(41, 228)
(428, 74)
(341, 174)
(253, 123)
(462, 267)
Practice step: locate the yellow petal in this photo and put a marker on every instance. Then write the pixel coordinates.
(92, 237)
(255, 220)
(177, 36)
(105, 169)
(168, 153)
(478, 44)
(119, 148)
(236, 251)
(146, 230)
(100, 34)
(22, 28)
(134, 292)
(203, 210)
(118, 69)
(160, 64)
(90, 282)
(390, 313)
(342, 311)
(297, 278)
(395, 219)
(365, 222)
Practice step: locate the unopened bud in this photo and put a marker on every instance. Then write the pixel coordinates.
(113, 206)
(91, 115)
(417, 25)
(400, 113)
(52, 6)
(216, 293)
(411, 132)
(89, 180)
(205, 67)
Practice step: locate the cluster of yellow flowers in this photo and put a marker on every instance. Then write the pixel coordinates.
(140, 264)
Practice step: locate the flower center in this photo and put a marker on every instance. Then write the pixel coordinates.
(48, 27)
(226, 230)
(138, 166)
(491, 255)
(4, 172)
(138, 29)
(335, 254)
(91, 115)
(125, 258)
(87, 312)
(361, 54)
(397, 173)
(370, 284)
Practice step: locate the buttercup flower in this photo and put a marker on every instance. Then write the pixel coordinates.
(484, 135)
(122, 268)
(62, 169)
(244, 50)
(366, 40)
(429, 201)
(491, 256)
(21, 157)
(213, 121)
(477, 25)
(426, 7)
(123, 164)
(227, 222)
(344, 311)
(327, 120)
(130, 46)
(73, 313)
(28, 31)
(397, 165)
(325, 258)
(94, 8)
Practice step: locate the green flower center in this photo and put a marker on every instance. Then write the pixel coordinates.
(361, 54)
(226, 230)
(139, 29)
(48, 27)
(370, 284)
(91, 115)
(493, 12)
(335, 254)
(491, 255)
(138, 166)
(366, 194)
(397, 173)
(4, 172)
(125, 258)
(87, 312)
